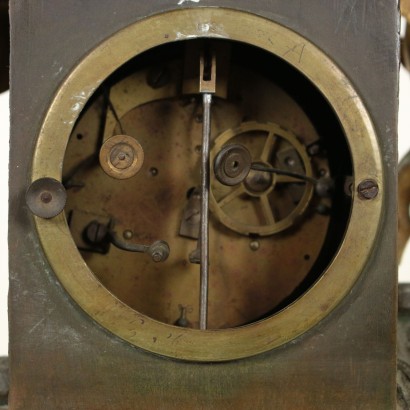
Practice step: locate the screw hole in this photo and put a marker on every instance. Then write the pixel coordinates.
(46, 197)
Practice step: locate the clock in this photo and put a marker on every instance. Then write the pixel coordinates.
(210, 185)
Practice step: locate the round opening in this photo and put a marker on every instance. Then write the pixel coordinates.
(132, 242)
(285, 115)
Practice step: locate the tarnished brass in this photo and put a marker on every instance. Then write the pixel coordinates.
(226, 202)
(121, 156)
(232, 164)
(139, 204)
(405, 41)
(221, 53)
(405, 8)
(321, 298)
(46, 197)
(207, 85)
(60, 357)
(138, 92)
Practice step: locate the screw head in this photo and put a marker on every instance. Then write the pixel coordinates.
(95, 232)
(368, 189)
(290, 162)
(313, 149)
(153, 171)
(159, 251)
(157, 256)
(254, 245)
(325, 187)
(128, 234)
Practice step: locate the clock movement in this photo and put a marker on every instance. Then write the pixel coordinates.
(202, 205)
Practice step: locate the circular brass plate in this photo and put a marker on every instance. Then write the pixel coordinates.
(320, 299)
(121, 156)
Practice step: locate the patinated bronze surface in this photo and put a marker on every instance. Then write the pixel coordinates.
(345, 361)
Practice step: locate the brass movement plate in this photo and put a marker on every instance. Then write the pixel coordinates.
(149, 206)
(320, 299)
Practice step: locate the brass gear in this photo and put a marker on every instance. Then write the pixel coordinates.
(249, 202)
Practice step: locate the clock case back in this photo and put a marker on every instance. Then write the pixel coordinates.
(61, 359)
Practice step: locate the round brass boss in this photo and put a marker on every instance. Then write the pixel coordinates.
(121, 156)
(322, 297)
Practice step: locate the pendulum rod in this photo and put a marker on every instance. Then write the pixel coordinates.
(207, 83)
(204, 235)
